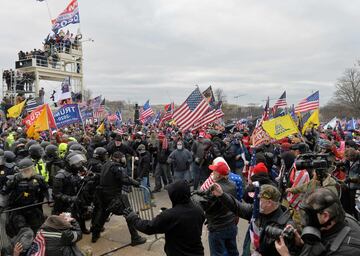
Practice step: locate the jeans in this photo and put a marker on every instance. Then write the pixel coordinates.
(144, 182)
(223, 242)
(196, 175)
(162, 171)
(184, 175)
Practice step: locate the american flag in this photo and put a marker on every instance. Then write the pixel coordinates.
(253, 228)
(309, 103)
(281, 102)
(38, 246)
(146, 112)
(119, 116)
(194, 107)
(211, 116)
(31, 104)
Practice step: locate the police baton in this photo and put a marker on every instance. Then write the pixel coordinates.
(25, 207)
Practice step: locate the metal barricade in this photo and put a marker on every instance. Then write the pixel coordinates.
(137, 202)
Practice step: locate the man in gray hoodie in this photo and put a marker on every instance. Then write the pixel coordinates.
(180, 159)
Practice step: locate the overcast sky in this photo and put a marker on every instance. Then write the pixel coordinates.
(160, 49)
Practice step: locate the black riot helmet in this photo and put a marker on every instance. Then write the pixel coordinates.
(30, 143)
(100, 153)
(9, 157)
(51, 152)
(77, 148)
(36, 151)
(75, 161)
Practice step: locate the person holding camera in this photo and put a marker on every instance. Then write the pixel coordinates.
(271, 214)
(327, 229)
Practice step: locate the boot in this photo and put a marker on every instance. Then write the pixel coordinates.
(138, 240)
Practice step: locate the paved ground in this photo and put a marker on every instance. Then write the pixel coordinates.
(116, 235)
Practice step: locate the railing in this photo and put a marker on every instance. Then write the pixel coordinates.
(41, 61)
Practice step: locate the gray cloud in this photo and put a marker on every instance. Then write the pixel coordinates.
(160, 49)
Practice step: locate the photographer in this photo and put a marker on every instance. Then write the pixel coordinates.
(271, 213)
(352, 180)
(327, 230)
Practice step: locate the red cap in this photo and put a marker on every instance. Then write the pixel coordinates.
(201, 134)
(220, 167)
(260, 168)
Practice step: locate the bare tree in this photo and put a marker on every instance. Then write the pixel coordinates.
(348, 90)
(220, 95)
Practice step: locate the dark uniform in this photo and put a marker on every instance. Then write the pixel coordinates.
(22, 192)
(112, 178)
(66, 189)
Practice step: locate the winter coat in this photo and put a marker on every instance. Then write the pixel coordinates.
(180, 160)
(61, 237)
(182, 224)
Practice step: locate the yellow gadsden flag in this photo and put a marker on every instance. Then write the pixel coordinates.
(16, 110)
(280, 127)
(40, 124)
(313, 121)
(101, 128)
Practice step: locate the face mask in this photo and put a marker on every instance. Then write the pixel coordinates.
(179, 147)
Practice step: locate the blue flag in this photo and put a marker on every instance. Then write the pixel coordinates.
(351, 124)
(68, 114)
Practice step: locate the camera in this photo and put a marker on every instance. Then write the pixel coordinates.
(312, 161)
(318, 162)
(275, 232)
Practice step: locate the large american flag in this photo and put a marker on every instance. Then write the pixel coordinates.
(194, 107)
(212, 115)
(281, 102)
(145, 112)
(309, 103)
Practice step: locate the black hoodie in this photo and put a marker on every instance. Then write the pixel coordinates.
(182, 224)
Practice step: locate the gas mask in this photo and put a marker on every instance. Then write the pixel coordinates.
(309, 219)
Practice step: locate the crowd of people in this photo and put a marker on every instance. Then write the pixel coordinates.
(16, 80)
(298, 194)
(53, 44)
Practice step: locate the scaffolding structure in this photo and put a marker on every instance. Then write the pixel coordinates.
(64, 62)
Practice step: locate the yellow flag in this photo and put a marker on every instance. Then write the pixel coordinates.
(40, 124)
(313, 121)
(16, 110)
(280, 127)
(101, 128)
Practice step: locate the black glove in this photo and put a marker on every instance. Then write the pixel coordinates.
(127, 212)
(136, 183)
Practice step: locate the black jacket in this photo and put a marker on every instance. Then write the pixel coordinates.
(349, 246)
(144, 165)
(280, 218)
(218, 216)
(111, 148)
(182, 224)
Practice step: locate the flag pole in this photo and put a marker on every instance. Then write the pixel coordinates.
(49, 12)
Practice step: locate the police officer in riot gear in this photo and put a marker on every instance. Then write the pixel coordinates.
(36, 153)
(67, 188)
(98, 160)
(108, 193)
(53, 162)
(24, 189)
(9, 159)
